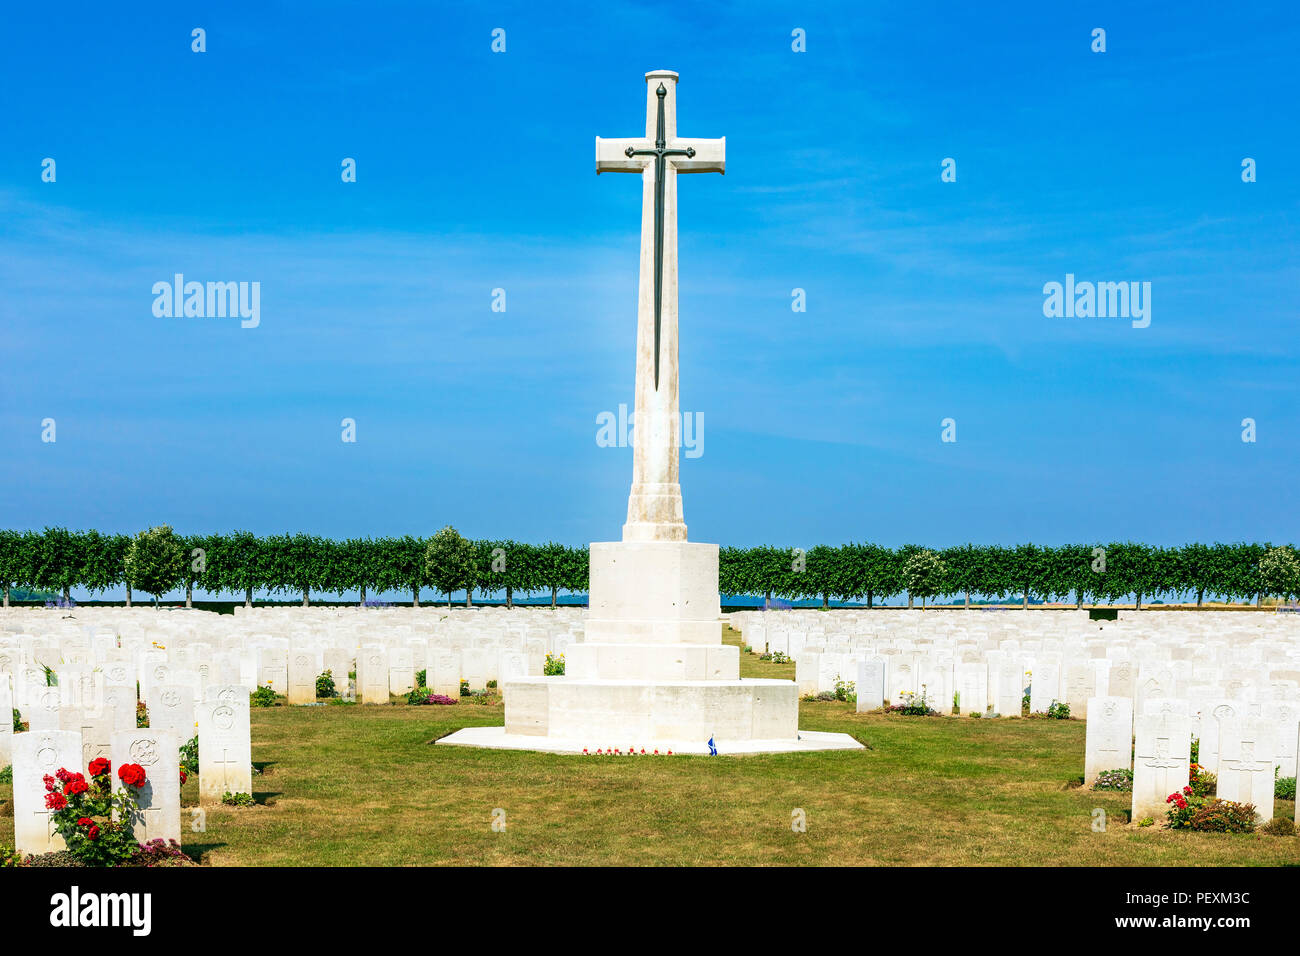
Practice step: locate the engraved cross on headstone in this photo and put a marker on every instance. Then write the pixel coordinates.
(1161, 756)
(224, 763)
(1246, 764)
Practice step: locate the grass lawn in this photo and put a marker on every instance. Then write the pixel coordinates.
(364, 785)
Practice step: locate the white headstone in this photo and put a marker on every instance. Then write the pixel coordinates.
(225, 749)
(871, 684)
(1161, 762)
(1245, 771)
(171, 707)
(372, 675)
(1045, 684)
(443, 675)
(302, 673)
(159, 800)
(6, 725)
(38, 754)
(1108, 743)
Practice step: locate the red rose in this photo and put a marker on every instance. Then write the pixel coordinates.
(184, 777)
(92, 833)
(99, 766)
(85, 822)
(49, 783)
(131, 774)
(63, 775)
(76, 785)
(55, 801)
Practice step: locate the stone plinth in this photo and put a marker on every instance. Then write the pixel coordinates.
(643, 712)
(654, 592)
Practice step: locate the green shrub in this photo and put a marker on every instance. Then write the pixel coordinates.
(1057, 710)
(237, 799)
(263, 697)
(421, 676)
(1279, 826)
(7, 774)
(1284, 788)
(1224, 816)
(189, 755)
(913, 705)
(20, 725)
(325, 685)
(846, 690)
(554, 666)
(1203, 783)
(141, 714)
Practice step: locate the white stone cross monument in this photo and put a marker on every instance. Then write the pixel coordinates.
(654, 507)
(652, 671)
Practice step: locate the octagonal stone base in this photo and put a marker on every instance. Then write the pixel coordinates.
(806, 741)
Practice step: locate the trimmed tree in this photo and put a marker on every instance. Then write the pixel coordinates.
(59, 561)
(924, 572)
(1279, 572)
(17, 549)
(155, 561)
(449, 562)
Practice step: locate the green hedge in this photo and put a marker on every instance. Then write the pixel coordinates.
(240, 563)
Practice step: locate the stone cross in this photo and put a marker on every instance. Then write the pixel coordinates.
(654, 510)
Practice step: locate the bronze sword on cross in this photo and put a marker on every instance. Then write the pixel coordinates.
(660, 152)
(688, 156)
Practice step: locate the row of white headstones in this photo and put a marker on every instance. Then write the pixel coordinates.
(1244, 751)
(207, 648)
(102, 724)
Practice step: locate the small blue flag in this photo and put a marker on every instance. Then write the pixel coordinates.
(713, 751)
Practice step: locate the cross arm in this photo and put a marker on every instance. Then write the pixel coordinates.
(710, 156)
(611, 155)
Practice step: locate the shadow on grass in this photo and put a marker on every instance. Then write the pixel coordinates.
(199, 851)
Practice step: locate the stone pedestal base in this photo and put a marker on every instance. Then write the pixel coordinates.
(654, 662)
(654, 592)
(646, 712)
(652, 671)
(496, 738)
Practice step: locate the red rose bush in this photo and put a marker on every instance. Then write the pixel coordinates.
(93, 819)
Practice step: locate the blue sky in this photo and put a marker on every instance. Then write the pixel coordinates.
(475, 171)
